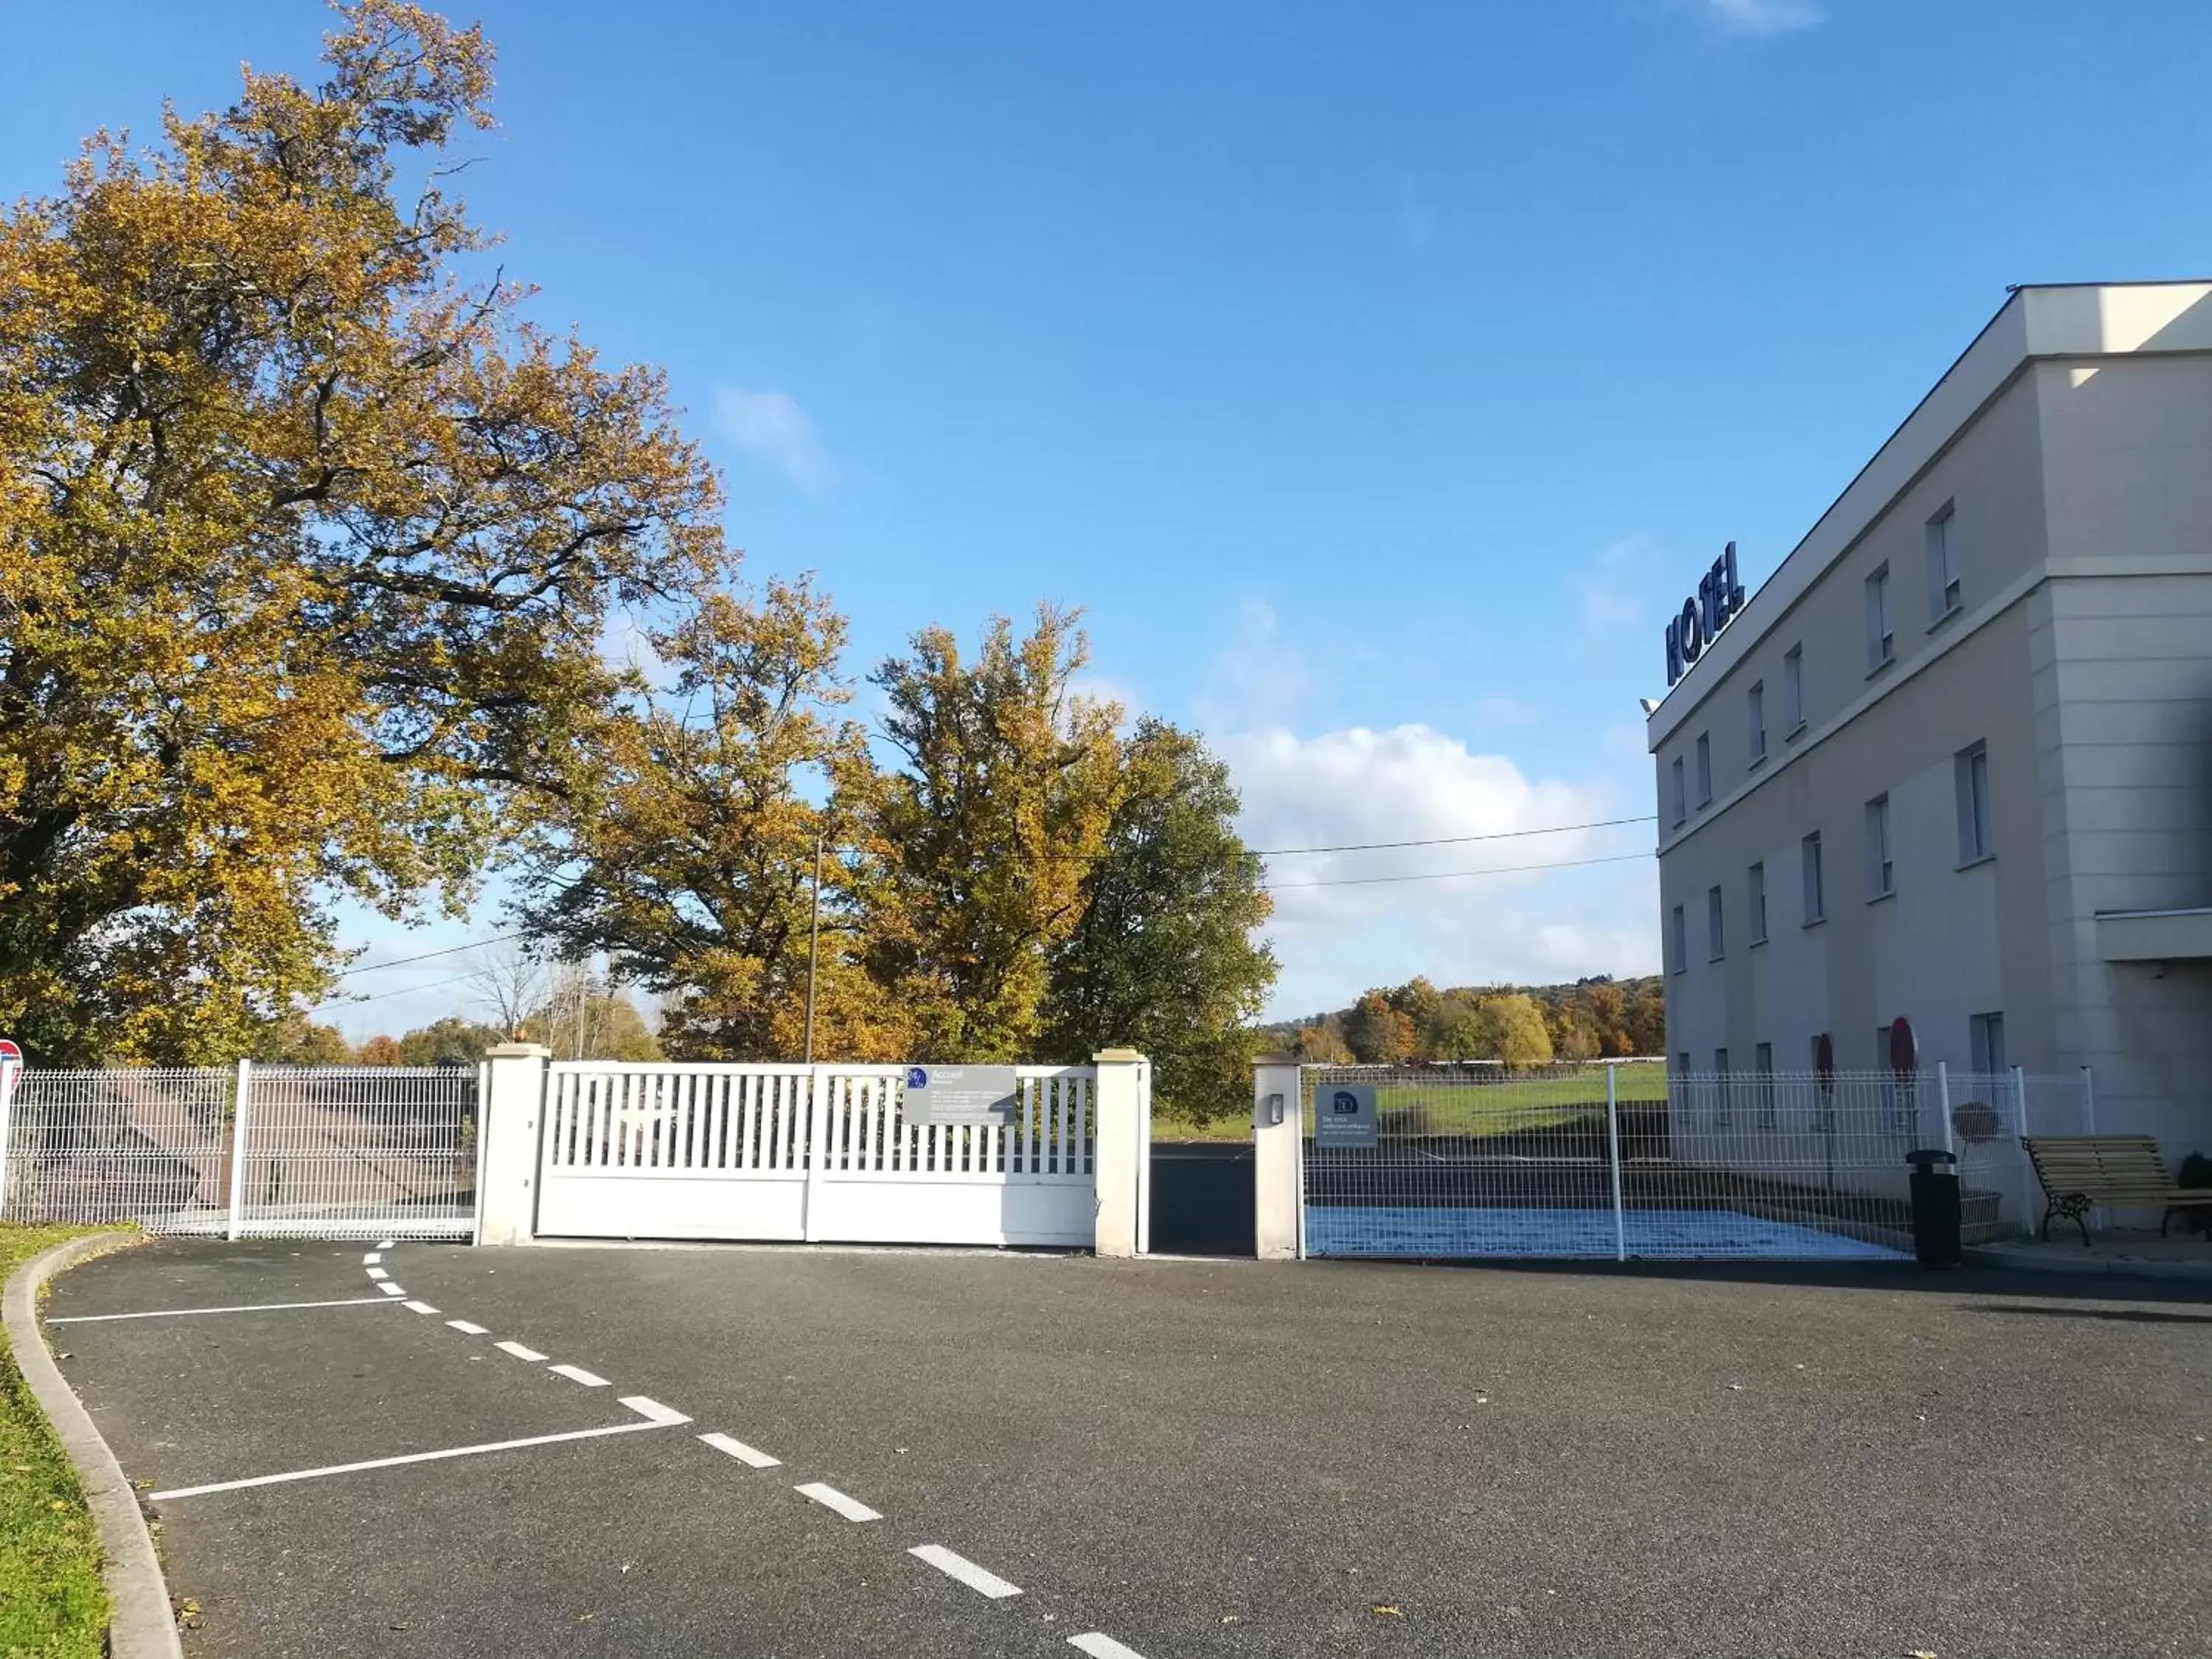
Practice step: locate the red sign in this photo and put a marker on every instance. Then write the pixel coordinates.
(1904, 1048)
(9, 1054)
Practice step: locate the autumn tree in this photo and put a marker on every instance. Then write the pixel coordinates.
(296, 1040)
(587, 1017)
(1162, 956)
(452, 1041)
(1519, 1037)
(685, 847)
(1004, 799)
(1321, 1045)
(1379, 1033)
(307, 542)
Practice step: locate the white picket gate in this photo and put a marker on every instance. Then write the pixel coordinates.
(799, 1152)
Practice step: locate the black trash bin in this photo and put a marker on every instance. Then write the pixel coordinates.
(1935, 1206)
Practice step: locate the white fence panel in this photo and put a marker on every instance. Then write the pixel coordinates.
(790, 1152)
(358, 1152)
(149, 1145)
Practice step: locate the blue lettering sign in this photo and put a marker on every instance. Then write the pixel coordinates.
(1718, 597)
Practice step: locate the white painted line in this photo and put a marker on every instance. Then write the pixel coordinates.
(960, 1567)
(418, 1307)
(467, 1329)
(742, 1452)
(411, 1457)
(1099, 1645)
(237, 1307)
(653, 1409)
(830, 1498)
(519, 1351)
(578, 1374)
(383, 1243)
(377, 1273)
(391, 1289)
(372, 1258)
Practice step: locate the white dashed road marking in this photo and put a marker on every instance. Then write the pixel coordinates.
(373, 1258)
(519, 1351)
(1099, 1645)
(742, 1452)
(390, 1289)
(411, 1457)
(242, 1307)
(418, 1307)
(830, 1498)
(578, 1374)
(960, 1567)
(466, 1329)
(377, 1273)
(383, 1243)
(653, 1409)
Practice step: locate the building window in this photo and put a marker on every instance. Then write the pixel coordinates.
(1985, 1039)
(1681, 793)
(1944, 595)
(1713, 922)
(1720, 1089)
(1762, 1062)
(1678, 936)
(1705, 768)
(1816, 908)
(1881, 873)
(1881, 646)
(1757, 699)
(1759, 904)
(1972, 770)
(1793, 689)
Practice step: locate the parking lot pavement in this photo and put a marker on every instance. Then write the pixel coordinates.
(1189, 1459)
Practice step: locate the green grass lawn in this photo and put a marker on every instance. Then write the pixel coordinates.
(51, 1605)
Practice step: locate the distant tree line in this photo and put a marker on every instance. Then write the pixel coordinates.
(1416, 1023)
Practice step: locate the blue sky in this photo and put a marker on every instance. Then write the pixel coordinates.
(1377, 377)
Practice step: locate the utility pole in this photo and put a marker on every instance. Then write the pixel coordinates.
(583, 990)
(813, 947)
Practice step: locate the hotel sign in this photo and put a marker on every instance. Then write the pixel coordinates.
(1719, 597)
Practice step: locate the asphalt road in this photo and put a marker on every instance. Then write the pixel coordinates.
(1194, 1459)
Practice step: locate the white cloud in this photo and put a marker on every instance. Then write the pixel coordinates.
(1258, 678)
(1610, 589)
(1764, 18)
(1412, 782)
(772, 426)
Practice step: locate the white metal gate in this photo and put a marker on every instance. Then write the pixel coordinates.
(247, 1151)
(798, 1153)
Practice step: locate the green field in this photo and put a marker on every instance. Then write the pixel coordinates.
(51, 1605)
(1456, 1105)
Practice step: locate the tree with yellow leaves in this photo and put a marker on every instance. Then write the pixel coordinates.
(307, 548)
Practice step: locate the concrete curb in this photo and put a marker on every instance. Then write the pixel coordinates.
(2186, 1272)
(141, 1624)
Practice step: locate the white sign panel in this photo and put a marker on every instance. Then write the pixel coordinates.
(1344, 1115)
(960, 1094)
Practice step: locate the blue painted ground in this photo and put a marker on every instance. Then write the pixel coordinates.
(1677, 1234)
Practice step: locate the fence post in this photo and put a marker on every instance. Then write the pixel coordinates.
(508, 1115)
(242, 1097)
(817, 1152)
(1612, 1146)
(1277, 1127)
(1121, 1141)
(2027, 1180)
(10, 1070)
(1943, 1104)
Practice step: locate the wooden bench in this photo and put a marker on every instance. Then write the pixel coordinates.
(2081, 1171)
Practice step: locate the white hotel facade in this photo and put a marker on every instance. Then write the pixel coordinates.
(1952, 761)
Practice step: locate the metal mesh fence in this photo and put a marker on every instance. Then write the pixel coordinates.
(335, 1151)
(150, 1146)
(1483, 1162)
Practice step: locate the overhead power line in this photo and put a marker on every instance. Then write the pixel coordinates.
(427, 956)
(404, 991)
(1455, 875)
(1453, 841)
